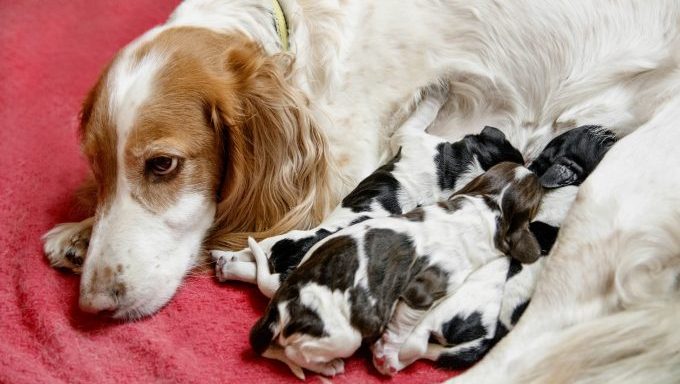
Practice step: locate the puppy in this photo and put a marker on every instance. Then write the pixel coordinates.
(463, 327)
(350, 284)
(425, 170)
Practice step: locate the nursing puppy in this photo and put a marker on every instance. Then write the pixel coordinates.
(464, 326)
(425, 170)
(348, 285)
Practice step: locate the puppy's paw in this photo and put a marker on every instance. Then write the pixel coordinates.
(234, 265)
(66, 244)
(386, 356)
(331, 368)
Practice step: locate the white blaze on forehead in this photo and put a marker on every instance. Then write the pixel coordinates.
(131, 83)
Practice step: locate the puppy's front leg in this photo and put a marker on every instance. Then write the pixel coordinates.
(386, 349)
(284, 252)
(66, 244)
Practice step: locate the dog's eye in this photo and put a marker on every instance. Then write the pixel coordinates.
(162, 165)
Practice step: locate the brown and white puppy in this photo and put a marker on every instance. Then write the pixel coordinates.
(351, 284)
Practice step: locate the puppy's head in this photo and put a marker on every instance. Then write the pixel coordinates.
(293, 330)
(492, 147)
(285, 323)
(185, 128)
(570, 157)
(517, 193)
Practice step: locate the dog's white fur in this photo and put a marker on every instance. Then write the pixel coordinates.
(533, 68)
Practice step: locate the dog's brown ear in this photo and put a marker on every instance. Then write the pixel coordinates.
(519, 204)
(276, 158)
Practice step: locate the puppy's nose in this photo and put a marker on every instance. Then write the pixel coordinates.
(98, 302)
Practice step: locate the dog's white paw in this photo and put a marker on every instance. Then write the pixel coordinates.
(66, 244)
(234, 265)
(386, 355)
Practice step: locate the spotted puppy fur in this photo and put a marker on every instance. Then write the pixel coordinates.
(464, 326)
(349, 285)
(425, 170)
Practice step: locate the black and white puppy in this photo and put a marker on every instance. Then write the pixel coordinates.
(463, 327)
(570, 157)
(349, 285)
(425, 170)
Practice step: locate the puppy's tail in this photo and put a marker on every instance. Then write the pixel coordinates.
(267, 282)
(639, 345)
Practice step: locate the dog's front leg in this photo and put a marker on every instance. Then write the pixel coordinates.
(66, 244)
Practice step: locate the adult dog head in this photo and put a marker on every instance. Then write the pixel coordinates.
(191, 134)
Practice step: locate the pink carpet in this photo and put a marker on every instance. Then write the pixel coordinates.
(50, 53)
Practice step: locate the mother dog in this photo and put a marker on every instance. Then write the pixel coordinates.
(254, 117)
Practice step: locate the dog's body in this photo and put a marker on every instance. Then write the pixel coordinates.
(244, 146)
(349, 284)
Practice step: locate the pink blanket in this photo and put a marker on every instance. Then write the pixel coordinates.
(51, 52)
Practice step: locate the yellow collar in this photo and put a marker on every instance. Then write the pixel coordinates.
(280, 24)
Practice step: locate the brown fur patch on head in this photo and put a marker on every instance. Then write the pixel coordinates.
(242, 135)
(99, 140)
(518, 193)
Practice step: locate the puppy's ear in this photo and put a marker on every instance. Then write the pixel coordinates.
(493, 133)
(560, 175)
(523, 246)
(425, 287)
(265, 330)
(519, 204)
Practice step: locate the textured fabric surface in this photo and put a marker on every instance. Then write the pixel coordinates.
(50, 53)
